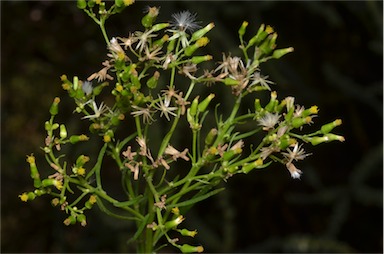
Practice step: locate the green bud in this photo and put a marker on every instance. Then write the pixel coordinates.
(171, 46)
(39, 192)
(243, 28)
(174, 223)
(33, 168)
(266, 47)
(81, 4)
(186, 248)
(47, 126)
(231, 82)
(200, 59)
(326, 128)
(82, 219)
(159, 26)
(270, 107)
(91, 3)
(150, 17)
(250, 166)
(186, 232)
(190, 49)
(70, 220)
(229, 155)
(258, 107)
(75, 82)
(281, 52)
(204, 104)
(300, 121)
(194, 105)
(260, 35)
(190, 118)
(152, 82)
(97, 90)
(159, 43)
(211, 136)
(76, 138)
(55, 126)
(286, 141)
(200, 33)
(310, 111)
(63, 131)
(334, 137)
(81, 160)
(54, 110)
(326, 138)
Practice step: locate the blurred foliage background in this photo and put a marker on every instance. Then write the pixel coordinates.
(337, 65)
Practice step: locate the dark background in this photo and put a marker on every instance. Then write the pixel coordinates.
(337, 65)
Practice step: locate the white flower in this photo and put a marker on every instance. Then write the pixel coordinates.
(165, 109)
(296, 154)
(269, 120)
(98, 110)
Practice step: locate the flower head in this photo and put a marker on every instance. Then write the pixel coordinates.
(165, 109)
(184, 21)
(87, 87)
(98, 110)
(269, 120)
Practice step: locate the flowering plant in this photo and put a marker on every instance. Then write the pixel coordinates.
(151, 76)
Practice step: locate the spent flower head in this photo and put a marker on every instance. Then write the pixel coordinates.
(184, 21)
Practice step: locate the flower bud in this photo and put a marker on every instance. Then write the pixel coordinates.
(211, 136)
(326, 128)
(70, 220)
(248, 167)
(194, 105)
(108, 136)
(81, 4)
(231, 82)
(186, 248)
(243, 28)
(159, 26)
(76, 138)
(310, 111)
(54, 110)
(81, 160)
(201, 32)
(186, 232)
(174, 223)
(270, 107)
(27, 196)
(152, 82)
(334, 137)
(150, 17)
(204, 104)
(63, 131)
(82, 219)
(200, 59)
(300, 121)
(258, 107)
(159, 43)
(281, 52)
(171, 46)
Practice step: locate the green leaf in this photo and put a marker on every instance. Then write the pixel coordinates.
(133, 201)
(98, 163)
(140, 229)
(196, 199)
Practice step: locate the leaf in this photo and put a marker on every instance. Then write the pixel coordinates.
(98, 163)
(196, 199)
(140, 229)
(133, 201)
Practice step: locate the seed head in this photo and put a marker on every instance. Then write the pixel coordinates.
(184, 21)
